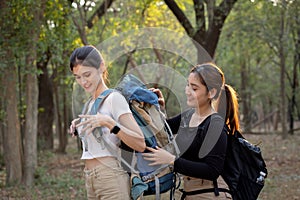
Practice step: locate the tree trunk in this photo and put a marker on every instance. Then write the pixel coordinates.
(46, 106)
(245, 96)
(58, 116)
(205, 35)
(1, 115)
(1, 135)
(30, 137)
(12, 147)
(32, 95)
(295, 84)
(12, 131)
(282, 72)
(63, 122)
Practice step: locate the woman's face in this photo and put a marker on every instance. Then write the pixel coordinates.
(87, 77)
(196, 93)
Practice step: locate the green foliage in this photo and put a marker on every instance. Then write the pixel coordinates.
(239, 44)
(249, 42)
(61, 186)
(250, 36)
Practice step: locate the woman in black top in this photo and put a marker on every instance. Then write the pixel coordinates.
(201, 132)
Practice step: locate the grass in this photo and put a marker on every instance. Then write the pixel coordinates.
(58, 176)
(49, 187)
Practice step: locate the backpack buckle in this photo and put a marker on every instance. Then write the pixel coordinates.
(261, 178)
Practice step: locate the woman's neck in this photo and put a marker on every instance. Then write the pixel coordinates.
(200, 115)
(204, 111)
(100, 88)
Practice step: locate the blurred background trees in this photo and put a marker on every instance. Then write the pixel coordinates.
(256, 43)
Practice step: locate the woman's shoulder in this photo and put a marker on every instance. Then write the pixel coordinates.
(116, 99)
(116, 104)
(214, 118)
(116, 95)
(218, 121)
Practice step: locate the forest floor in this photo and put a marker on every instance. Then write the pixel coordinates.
(59, 176)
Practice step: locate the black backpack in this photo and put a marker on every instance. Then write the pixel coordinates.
(244, 169)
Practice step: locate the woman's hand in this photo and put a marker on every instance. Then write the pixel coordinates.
(159, 156)
(72, 129)
(161, 99)
(94, 121)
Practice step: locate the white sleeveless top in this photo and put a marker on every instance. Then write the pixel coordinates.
(114, 105)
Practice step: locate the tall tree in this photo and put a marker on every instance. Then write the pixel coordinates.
(282, 58)
(294, 110)
(35, 11)
(207, 35)
(45, 104)
(12, 131)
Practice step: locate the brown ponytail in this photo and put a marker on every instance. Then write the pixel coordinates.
(232, 111)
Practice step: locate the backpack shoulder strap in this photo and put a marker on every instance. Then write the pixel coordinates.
(85, 107)
(99, 101)
(186, 117)
(212, 134)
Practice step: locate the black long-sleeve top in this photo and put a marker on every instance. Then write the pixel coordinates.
(190, 162)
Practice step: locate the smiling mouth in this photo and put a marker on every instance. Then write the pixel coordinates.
(87, 87)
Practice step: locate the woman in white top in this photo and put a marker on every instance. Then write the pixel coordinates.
(104, 176)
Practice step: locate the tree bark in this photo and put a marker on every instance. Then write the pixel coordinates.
(63, 119)
(208, 37)
(282, 72)
(295, 83)
(245, 96)
(58, 115)
(12, 131)
(46, 106)
(32, 94)
(12, 147)
(30, 137)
